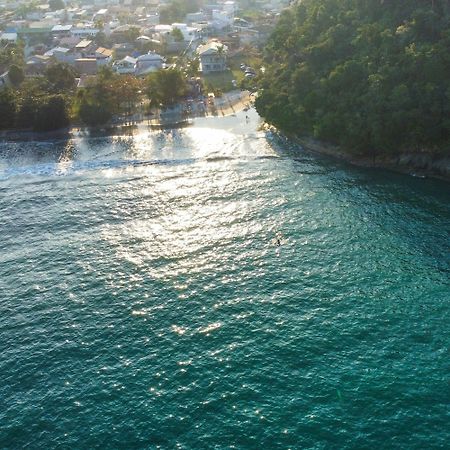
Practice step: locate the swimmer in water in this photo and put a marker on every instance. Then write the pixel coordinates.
(278, 242)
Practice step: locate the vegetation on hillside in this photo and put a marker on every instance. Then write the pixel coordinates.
(369, 75)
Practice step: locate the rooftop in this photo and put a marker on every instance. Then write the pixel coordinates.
(84, 44)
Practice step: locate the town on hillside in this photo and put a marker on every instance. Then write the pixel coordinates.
(147, 53)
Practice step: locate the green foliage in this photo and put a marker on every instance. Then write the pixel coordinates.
(177, 35)
(43, 103)
(193, 67)
(56, 5)
(126, 36)
(101, 39)
(51, 113)
(369, 75)
(61, 77)
(9, 55)
(16, 75)
(106, 96)
(165, 87)
(7, 109)
(93, 114)
(41, 111)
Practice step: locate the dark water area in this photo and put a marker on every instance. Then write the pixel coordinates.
(218, 287)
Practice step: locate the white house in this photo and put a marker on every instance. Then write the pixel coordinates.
(213, 57)
(148, 63)
(221, 19)
(84, 32)
(61, 30)
(189, 33)
(125, 65)
(9, 37)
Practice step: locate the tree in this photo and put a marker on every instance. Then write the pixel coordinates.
(107, 95)
(56, 5)
(193, 67)
(166, 87)
(11, 54)
(371, 76)
(16, 75)
(177, 35)
(129, 35)
(61, 77)
(101, 39)
(51, 113)
(7, 109)
(93, 113)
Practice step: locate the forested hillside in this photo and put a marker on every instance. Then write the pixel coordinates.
(370, 75)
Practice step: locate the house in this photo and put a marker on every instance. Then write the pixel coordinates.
(195, 17)
(125, 65)
(122, 50)
(122, 33)
(213, 57)
(61, 54)
(85, 48)
(165, 35)
(102, 14)
(189, 33)
(61, 30)
(8, 37)
(103, 56)
(36, 65)
(69, 42)
(221, 19)
(84, 32)
(152, 19)
(230, 7)
(86, 66)
(4, 80)
(148, 63)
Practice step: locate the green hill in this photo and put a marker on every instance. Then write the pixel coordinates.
(369, 75)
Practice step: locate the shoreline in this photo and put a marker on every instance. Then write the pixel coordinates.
(419, 165)
(222, 108)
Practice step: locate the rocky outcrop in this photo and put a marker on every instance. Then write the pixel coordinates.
(418, 164)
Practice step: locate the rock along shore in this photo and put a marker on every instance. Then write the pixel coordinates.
(413, 163)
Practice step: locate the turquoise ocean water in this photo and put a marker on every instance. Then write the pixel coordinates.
(146, 303)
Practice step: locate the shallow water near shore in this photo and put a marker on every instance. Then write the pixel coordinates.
(145, 301)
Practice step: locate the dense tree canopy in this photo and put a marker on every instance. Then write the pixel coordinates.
(60, 76)
(370, 75)
(166, 87)
(7, 109)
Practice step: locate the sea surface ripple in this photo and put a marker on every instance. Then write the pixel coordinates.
(146, 302)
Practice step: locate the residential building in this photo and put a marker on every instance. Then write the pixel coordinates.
(148, 63)
(125, 65)
(103, 56)
(213, 57)
(86, 66)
